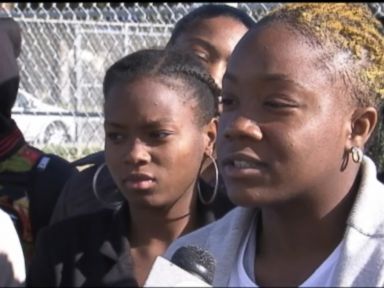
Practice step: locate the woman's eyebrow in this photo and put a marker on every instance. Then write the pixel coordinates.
(228, 76)
(281, 78)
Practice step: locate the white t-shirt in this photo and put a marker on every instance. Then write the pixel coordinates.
(12, 265)
(244, 267)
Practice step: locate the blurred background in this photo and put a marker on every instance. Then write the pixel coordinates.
(66, 50)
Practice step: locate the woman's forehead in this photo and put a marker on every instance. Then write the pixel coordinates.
(271, 53)
(274, 48)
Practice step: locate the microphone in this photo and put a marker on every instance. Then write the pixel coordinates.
(190, 266)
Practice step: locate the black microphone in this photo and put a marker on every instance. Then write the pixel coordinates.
(196, 261)
(190, 266)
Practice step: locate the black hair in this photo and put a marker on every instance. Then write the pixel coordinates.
(8, 92)
(10, 48)
(207, 12)
(167, 65)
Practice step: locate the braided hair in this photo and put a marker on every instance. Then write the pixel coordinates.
(169, 66)
(207, 12)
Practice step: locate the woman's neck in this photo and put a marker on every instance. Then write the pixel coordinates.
(299, 236)
(153, 230)
(305, 224)
(165, 226)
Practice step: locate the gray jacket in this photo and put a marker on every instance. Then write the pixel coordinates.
(361, 262)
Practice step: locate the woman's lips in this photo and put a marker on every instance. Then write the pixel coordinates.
(242, 165)
(139, 181)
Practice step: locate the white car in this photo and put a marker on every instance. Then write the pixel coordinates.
(42, 123)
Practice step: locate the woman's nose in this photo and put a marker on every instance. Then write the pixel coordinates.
(137, 153)
(242, 127)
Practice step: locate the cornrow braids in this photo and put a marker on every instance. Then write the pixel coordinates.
(346, 30)
(176, 69)
(207, 12)
(191, 74)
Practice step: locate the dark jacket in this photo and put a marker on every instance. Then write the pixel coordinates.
(30, 184)
(91, 250)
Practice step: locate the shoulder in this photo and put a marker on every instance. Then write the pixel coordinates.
(367, 217)
(80, 225)
(212, 234)
(82, 232)
(71, 246)
(50, 161)
(83, 178)
(91, 159)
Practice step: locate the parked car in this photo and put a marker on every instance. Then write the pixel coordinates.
(42, 123)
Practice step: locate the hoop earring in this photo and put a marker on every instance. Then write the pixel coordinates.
(113, 205)
(357, 154)
(215, 188)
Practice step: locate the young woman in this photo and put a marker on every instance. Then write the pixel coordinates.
(300, 98)
(159, 128)
(210, 32)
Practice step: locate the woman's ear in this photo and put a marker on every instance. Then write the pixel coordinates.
(210, 132)
(363, 123)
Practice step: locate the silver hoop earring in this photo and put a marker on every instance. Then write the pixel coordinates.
(215, 188)
(113, 205)
(357, 154)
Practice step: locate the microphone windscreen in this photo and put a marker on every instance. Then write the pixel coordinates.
(167, 274)
(196, 261)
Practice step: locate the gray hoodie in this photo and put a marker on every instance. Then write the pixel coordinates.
(361, 261)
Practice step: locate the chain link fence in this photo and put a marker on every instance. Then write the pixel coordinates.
(66, 50)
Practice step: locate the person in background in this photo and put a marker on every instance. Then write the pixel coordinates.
(209, 32)
(12, 265)
(30, 180)
(300, 100)
(160, 128)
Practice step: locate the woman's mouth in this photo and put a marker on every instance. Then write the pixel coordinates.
(242, 165)
(139, 181)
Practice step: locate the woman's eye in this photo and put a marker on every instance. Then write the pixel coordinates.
(115, 137)
(202, 56)
(159, 134)
(226, 101)
(279, 104)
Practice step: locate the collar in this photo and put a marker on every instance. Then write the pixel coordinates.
(116, 241)
(115, 265)
(366, 213)
(116, 248)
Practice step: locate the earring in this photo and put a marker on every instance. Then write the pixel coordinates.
(113, 205)
(215, 188)
(357, 154)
